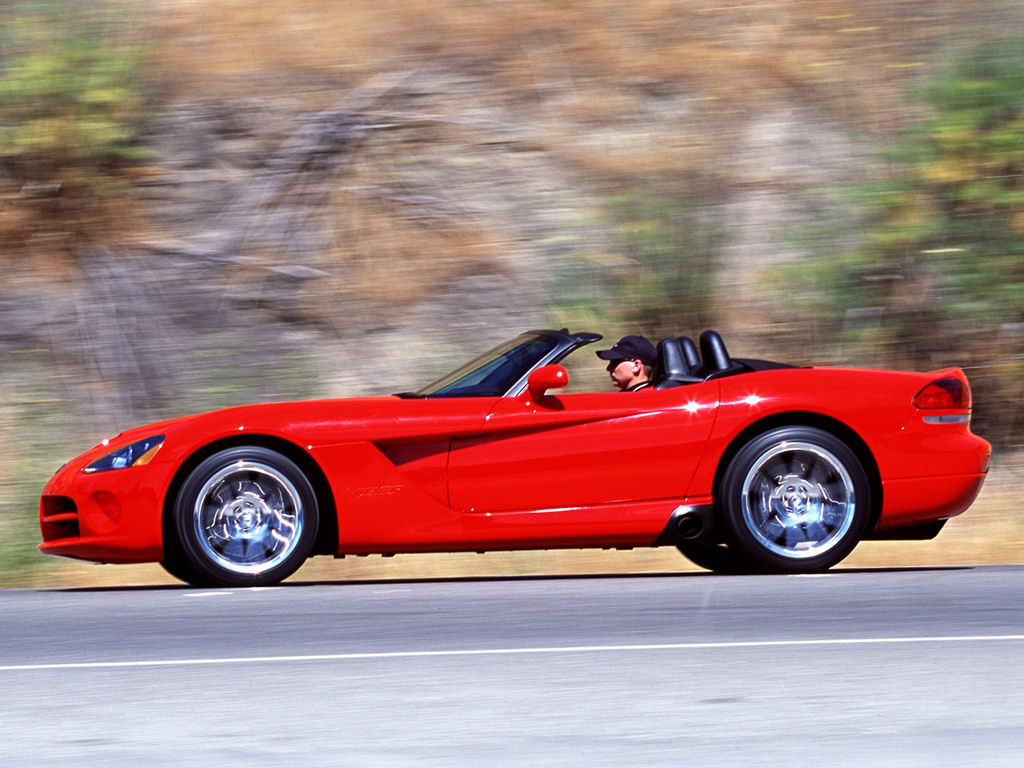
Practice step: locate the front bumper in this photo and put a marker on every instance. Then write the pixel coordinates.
(105, 517)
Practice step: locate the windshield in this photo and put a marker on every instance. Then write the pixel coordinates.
(494, 373)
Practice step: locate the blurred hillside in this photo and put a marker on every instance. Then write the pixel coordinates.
(306, 198)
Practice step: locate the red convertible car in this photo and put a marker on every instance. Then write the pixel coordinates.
(744, 465)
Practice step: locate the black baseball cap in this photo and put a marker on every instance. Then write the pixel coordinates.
(631, 348)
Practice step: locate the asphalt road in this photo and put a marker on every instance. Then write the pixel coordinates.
(917, 667)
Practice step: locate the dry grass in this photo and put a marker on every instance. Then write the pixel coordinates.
(736, 50)
(604, 90)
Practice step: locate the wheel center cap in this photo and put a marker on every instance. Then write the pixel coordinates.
(247, 515)
(795, 496)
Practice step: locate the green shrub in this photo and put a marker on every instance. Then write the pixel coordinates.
(71, 94)
(657, 275)
(947, 219)
(936, 272)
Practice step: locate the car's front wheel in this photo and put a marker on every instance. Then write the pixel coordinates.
(795, 499)
(245, 516)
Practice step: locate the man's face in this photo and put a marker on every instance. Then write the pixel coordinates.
(625, 373)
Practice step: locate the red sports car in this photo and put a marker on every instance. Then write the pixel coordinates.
(745, 465)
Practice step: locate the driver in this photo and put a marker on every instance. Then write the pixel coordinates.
(631, 359)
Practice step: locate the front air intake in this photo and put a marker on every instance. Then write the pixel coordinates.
(58, 518)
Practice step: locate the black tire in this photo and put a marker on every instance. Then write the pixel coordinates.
(715, 557)
(179, 569)
(245, 516)
(795, 500)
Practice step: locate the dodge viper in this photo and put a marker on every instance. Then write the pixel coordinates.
(745, 465)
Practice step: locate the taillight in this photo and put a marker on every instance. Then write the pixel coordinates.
(945, 394)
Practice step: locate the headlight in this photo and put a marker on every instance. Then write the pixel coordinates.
(135, 455)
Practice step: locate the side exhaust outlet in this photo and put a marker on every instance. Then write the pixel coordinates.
(689, 526)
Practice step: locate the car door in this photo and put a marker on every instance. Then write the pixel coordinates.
(582, 450)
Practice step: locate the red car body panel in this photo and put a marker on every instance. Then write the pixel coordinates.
(515, 472)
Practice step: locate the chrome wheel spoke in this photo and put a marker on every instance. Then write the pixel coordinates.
(774, 530)
(795, 536)
(833, 514)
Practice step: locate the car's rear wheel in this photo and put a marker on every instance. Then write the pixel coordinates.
(715, 557)
(795, 499)
(245, 516)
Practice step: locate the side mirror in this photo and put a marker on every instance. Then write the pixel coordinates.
(544, 378)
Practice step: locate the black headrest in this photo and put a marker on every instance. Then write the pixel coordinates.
(670, 353)
(672, 369)
(712, 350)
(690, 354)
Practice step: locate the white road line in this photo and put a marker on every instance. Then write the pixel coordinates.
(511, 652)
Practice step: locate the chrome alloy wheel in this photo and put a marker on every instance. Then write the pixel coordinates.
(248, 517)
(798, 500)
